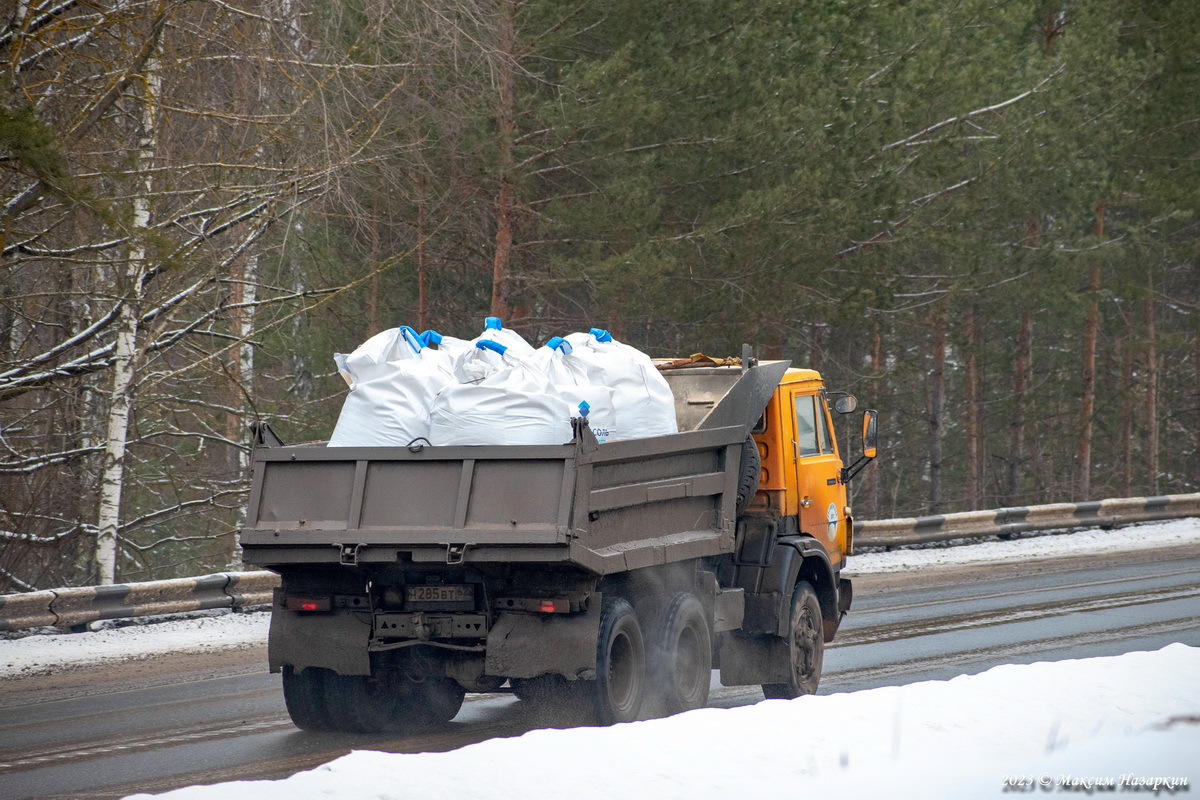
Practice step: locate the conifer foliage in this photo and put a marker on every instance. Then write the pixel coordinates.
(980, 218)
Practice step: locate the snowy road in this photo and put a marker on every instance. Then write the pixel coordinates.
(220, 717)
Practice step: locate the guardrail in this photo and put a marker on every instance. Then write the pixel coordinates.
(968, 524)
(65, 608)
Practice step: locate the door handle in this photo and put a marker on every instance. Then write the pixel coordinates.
(806, 502)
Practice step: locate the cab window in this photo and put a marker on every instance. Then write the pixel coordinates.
(823, 426)
(806, 426)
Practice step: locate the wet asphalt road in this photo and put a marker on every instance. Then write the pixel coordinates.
(920, 626)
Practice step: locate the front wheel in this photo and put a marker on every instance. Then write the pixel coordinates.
(805, 647)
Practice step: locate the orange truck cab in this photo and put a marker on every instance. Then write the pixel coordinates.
(796, 532)
(803, 473)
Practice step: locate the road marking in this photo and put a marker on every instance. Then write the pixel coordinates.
(159, 740)
(983, 619)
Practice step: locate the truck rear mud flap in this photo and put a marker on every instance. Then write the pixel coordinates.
(527, 645)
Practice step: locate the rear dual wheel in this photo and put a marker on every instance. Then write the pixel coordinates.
(678, 666)
(620, 685)
(304, 696)
(320, 699)
(683, 654)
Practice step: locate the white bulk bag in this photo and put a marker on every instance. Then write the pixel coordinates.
(393, 381)
(643, 400)
(494, 330)
(513, 405)
(481, 359)
(557, 361)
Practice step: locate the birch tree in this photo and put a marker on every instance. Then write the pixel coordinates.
(143, 180)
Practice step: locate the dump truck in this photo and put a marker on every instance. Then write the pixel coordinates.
(615, 575)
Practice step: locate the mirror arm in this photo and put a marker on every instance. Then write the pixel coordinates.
(849, 472)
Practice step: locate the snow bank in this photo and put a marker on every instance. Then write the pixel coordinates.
(43, 655)
(1047, 727)
(1082, 542)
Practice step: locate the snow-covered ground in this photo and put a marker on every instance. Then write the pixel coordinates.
(1043, 728)
(1128, 724)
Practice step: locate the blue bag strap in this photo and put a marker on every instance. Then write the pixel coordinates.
(488, 344)
(412, 337)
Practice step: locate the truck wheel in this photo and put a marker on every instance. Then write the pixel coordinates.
(683, 654)
(620, 665)
(805, 644)
(304, 696)
(542, 690)
(359, 703)
(748, 473)
(432, 701)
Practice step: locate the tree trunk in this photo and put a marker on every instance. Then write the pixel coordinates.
(506, 125)
(243, 321)
(422, 275)
(1022, 378)
(1128, 387)
(112, 478)
(1152, 463)
(937, 411)
(1087, 404)
(971, 378)
(871, 490)
(374, 325)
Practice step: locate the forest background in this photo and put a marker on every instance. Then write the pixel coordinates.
(978, 216)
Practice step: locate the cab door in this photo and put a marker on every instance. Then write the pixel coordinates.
(822, 495)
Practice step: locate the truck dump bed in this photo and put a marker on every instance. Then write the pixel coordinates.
(603, 508)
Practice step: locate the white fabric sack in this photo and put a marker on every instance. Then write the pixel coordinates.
(642, 397)
(513, 405)
(393, 381)
(494, 330)
(557, 361)
(481, 359)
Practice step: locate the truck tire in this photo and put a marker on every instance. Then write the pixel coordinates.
(359, 703)
(749, 471)
(304, 696)
(540, 691)
(682, 655)
(620, 684)
(431, 702)
(805, 646)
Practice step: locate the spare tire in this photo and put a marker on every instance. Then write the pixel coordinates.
(749, 471)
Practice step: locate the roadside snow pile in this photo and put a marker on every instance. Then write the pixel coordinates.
(1145, 536)
(44, 655)
(1130, 722)
(497, 389)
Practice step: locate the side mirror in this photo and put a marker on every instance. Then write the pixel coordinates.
(870, 434)
(845, 404)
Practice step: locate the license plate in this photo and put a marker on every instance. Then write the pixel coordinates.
(440, 594)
